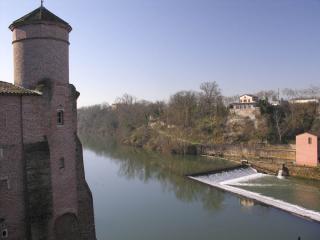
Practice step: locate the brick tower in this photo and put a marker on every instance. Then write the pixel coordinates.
(38, 122)
(41, 48)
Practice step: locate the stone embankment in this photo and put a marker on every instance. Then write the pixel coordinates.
(294, 170)
(265, 158)
(285, 153)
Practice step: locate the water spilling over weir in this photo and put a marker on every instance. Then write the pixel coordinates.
(228, 180)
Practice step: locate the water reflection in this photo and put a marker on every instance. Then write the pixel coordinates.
(245, 202)
(144, 195)
(169, 170)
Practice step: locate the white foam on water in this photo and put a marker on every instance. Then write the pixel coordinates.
(223, 181)
(252, 185)
(243, 179)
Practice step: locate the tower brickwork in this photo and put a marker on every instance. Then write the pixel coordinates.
(41, 48)
(41, 163)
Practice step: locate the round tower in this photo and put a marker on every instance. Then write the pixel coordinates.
(40, 48)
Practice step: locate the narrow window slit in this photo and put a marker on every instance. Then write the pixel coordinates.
(61, 163)
(60, 117)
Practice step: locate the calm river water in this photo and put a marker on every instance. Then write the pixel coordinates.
(140, 195)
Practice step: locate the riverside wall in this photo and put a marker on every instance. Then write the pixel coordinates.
(265, 158)
(286, 153)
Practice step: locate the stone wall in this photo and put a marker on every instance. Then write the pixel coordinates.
(263, 157)
(39, 190)
(85, 201)
(12, 204)
(305, 172)
(35, 125)
(294, 170)
(258, 151)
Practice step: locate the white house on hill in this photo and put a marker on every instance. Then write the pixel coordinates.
(246, 101)
(248, 98)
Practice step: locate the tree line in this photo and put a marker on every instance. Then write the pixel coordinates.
(203, 116)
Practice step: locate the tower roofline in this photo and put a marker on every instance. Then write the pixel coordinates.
(38, 16)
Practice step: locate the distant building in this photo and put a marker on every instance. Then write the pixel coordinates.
(114, 106)
(246, 101)
(303, 100)
(248, 98)
(274, 102)
(43, 190)
(307, 149)
(246, 107)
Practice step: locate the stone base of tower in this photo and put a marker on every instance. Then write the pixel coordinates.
(41, 223)
(38, 190)
(85, 201)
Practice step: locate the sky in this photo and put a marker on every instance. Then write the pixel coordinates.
(154, 48)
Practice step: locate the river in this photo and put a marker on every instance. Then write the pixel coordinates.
(144, 195)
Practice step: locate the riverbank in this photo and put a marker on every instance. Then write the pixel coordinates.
(264, 157)
(272, 166)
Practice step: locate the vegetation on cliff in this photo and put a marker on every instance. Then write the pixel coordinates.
(190, 118)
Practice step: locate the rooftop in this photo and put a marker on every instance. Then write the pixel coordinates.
(40, 15)
(251, 95)
(10, 89)
(314, 133)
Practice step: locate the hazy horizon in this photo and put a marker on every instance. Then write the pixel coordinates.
(152, 49)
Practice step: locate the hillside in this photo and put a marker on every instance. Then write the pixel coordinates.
(190, 118)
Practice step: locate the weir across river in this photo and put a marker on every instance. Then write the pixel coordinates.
(228, 179)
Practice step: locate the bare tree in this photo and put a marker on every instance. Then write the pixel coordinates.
(269, 94)
(283, 117)
(290, 93)
(210, 98)
(182, 106)
(126, 99)
(312, 92)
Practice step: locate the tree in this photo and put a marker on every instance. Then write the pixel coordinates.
(267, 95)
(182, 107)
(126, 99)
(280, 123)
(210, 98)
(290, 93)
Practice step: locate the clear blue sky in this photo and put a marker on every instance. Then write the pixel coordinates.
(153, 48)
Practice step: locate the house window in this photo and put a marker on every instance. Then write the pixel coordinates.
(61, 163)
(60, 117)
(309, 140)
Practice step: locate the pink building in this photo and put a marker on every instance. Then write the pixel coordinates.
(307, 150)
(43, 191)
